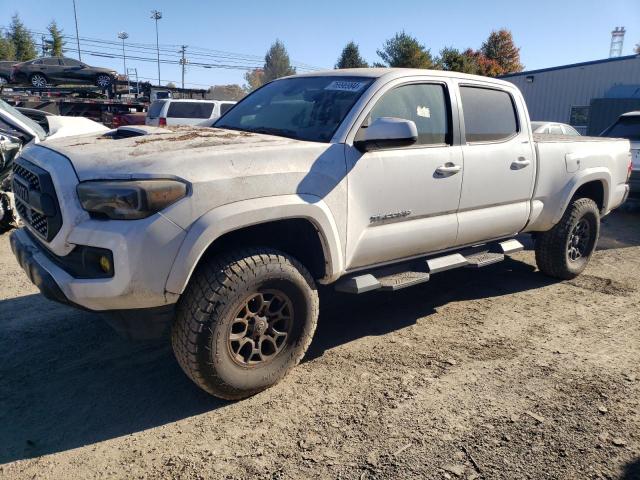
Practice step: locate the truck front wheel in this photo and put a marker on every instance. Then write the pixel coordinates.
(564, 251)
(245, 320)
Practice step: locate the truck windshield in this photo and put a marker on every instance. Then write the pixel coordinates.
(307, 108)
(625, 127)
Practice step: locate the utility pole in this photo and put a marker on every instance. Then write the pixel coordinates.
(183, 61)
(123, 36)
(77, 34)
(156, 15)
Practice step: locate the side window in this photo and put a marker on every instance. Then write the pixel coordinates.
(70, 62)
(190, 110)
(424, 104)
(38, 62)
(556, 130)
(51, 61)
(489, 115)
(225, 107)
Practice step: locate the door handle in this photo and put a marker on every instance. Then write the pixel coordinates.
(448, 169)
(521, 162)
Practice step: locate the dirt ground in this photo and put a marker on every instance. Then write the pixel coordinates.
(500, 373)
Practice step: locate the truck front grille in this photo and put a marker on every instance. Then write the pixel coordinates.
(36, 199)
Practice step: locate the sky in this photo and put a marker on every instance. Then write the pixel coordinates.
(549, 32)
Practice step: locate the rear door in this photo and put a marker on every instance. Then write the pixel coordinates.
(188, 113)
(499, 163)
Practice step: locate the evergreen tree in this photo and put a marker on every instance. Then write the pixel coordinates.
(405, 51)
(25, 48)
(277, 63)
(501, 48)
(7, 50)
(57, 39)
(350, 57)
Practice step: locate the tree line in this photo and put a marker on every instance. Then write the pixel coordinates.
(497, 55)
(17, 43)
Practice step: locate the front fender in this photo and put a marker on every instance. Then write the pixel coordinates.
(227, 218)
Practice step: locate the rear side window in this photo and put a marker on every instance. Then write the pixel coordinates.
(423, 104)
(51, 61)
(489, 115)
(556, 130)
(156, 108)
(225, 107)
(190, 110)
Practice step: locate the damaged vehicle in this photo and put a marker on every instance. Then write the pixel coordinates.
(365, 180)
(16, 131)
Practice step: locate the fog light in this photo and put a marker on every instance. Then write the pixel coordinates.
(105, 264)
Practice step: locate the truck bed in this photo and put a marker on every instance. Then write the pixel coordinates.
(548, 138)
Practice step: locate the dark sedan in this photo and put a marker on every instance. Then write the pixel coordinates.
(61, 70)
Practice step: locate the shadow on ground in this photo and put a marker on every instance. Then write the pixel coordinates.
(68, 380)
(631, 471)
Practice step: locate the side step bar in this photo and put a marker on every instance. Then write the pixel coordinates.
(409, 274)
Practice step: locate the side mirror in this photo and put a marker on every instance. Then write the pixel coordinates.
(386, 132)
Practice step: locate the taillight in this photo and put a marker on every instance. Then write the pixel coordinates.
(162, 121)
(630, 167)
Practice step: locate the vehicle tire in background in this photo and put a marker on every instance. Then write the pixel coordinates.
(564, 251)
(103, 81)
(245, 320)
(38, 80)
(6, 213)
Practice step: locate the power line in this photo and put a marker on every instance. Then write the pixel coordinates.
(242, 61)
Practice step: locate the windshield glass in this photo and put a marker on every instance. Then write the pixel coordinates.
(10, 115)
(625, 127)
(307, 108)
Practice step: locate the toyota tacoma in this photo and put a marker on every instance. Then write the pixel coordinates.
(366, 180)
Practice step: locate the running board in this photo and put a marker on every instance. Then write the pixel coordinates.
(395, 277)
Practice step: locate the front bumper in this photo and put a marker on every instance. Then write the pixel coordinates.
(134, 323)
(27, 253)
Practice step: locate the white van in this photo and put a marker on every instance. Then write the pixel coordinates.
(185, 112)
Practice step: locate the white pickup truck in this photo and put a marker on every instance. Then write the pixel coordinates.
(366, 179)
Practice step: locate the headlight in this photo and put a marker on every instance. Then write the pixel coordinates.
(129, 200)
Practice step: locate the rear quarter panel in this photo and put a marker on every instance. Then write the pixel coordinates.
(565, 164)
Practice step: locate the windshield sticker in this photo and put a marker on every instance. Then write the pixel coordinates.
(345, 86)
(423, 111)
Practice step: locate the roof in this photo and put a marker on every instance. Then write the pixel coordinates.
(572, 65)
(392, 73)
(631, 114)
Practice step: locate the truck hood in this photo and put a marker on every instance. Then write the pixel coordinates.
(180, 151)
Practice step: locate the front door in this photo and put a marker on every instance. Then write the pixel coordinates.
(402, 202)
(499, 165)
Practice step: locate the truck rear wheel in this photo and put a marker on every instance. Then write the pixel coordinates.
(564, 251)
(245, 320)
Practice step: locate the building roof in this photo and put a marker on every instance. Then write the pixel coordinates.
(572, 65)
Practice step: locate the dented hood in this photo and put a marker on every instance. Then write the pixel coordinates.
(174, 151)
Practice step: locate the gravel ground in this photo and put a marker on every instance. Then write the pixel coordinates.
(500, 373)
